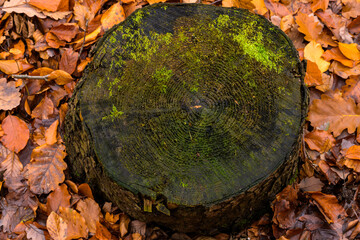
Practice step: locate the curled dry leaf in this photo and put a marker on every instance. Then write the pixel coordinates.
(60, 197)
(320, 140)
(335, 112)
(313, 52)
(45, 171)
(124, 224)
(352, 158)
(34, 233)
(21, 6)
(102, 233)
(16, 133)
(311, 184)
(329, 207)
(336, 54)
(91, 212)
(9, 95)
(344, 71)
(351, 8)
(319, 4)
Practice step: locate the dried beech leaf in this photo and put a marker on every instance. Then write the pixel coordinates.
(68, 60)
(102, 233)
(10, 67)
(350, 50)
(76, 223)
(313, 75)
(352, 89)
(45, 171)
(335, 54)
(344, 71)
(260, 7)
(329, 207)
(52, 6)
(65, 31)
(114, 15)
(336, 112)
(91, 212)
(319, 4)
(124, 224)
(309, 25)
(51, 133)
(313, 52)
(60, 77)
(16, 133)
(11, 165)
(57, 227)
(44, 110)
(85, 190)
(60, 197)
(9, 95)
(34, 233)
(21, 6)
(351, 8)
(320, 140)
(311, 184)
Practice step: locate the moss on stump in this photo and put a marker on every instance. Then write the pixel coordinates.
(189, 116)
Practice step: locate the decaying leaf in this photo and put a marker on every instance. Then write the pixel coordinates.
(51, 6)
(44, 110)
(21, 6)
(91, 212)
(329, 207)
(68, 60)
(45, 171)
(311, 184)
(11, 165)
(16, 133)
(56, 226)
(352, 89)
(9, 95)
(60, 77)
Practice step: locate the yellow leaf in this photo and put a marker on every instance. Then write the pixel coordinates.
(114, 15)
(350, 51)
(260, 7)
(313, 52)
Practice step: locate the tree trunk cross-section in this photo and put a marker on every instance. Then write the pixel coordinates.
(197, 109)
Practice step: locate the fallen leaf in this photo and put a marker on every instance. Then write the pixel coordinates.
(68, 60)
(352, 89)
(309, 25)
(320, 140)
(283, 207)
(124, 224)
(260, 7)
(18, 50)
(112, 218)
(277, 8)
(76, 225)
(136, 236)
(65, 31)
(335, 54)
(45, 171)
(102, 233)
(10, 66)
(85, 190)
(329, 207)
(83, 64)
(114, 15)
(57, 94)
(331, 176)
(91, 212)
(60, 77)
(343, 71)
(351, 8)
(9, 95)
(313, 75)
(51, 133)
(313, 52)
(53, 41)
(51, 6)
(89, 38)
(44, 110)
(57, 227)
(354, 28)
(16, 133)
(21, 6)
(335, 112)
(319, 4)
(350, 50)
(34, 233)
(155, 1)
(311, 184)
(11, 165)
(82, 14)
(287, 22)
(60, 197)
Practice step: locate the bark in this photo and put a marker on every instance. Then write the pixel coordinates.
(195, 109)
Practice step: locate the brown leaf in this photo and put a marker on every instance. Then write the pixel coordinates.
(60, 77)
(277, 8)
(57, 227)
(34, 233)
(51, 6)
(9, 95)
(45, 171)
(83, 64)
(247, 4)
(68, 60)
(51, 133)
(309, 25)
(335, 54)
(10, 66)
(89, 39)
(319, 4)
(11, 165)
(85, 190)
(351, 8)
(57, 94)
(114, 15)
(354, 27)
(313, 75)
(111, 218)
(320, 140)
(311, 184)
(38, 136)
(21, 6)
(53, 40)
(331, 176)
(76, 226)
(335, 112)
(352, 89)
(344, 71)
(283, 207)
(18, 50)
(60, 197)
(124, 224)
(329, 207)
(44, 110)
(102, 233)
(65, 31)
(83, 14)
(91, 212)
(16, 133)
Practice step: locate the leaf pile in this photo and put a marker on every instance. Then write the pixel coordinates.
(44, 49)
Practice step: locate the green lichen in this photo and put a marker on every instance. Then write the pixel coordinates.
(162, 76)
(114, 114)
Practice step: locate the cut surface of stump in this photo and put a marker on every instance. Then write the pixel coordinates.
(196, 110)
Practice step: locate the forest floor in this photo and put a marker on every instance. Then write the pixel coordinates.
(44, 48)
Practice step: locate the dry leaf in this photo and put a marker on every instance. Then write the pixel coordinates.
(57, 227)
(260, 7)
(335, 54)
(9, 95)
(16, 133)
(60, 77)
(319, 4)
(112, 218)
(76, 226)
(83, 14)
(114, 15)
(65, 31)
(335, 112)
(51, 133)
(309, 25)
(313, 75)
(45, 171)
(329, 207)
(277, 8)
(124, 224)
(331, 176)
(102, 233)
(10, 66)
(313, 52)
(344, 71)
(44, 110)
(350, 50)
(60, 197)
(53, 41)
(351, 8)
(352, 89)
(320, 140)
(34, 233)
(11, 165)
(155, 1)
(85, 190)
(68, 60)
(91, 212)
(311, 184)
(21, 6)
(51, 6)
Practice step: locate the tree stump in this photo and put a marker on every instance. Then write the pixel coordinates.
(189, 116)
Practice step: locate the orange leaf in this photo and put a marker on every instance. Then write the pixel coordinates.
(38, 136)
(53, 40)
(76, 223)
(124, 224)
(313, 75)
(83, 64)
(68, 60)
(277, 8)
(335, 54)
(41, 71)
(114, 15)
(155, 1)
(350, 50)
(260, 7)
(351, 8)
(344, 71)
(9, 95)
(112, 218)
(91, 212)
(51, 133)
(60, 77)
(51, 6)
(309, 25)
(10, 66)
(83, 14)
(319, 4)
(136, 236)
(45, 171)
(44, 110)
(335, 112)
(85, 190)
(18, 50)
(101, 232)
(320, 140)
(353, 152)
(60, 197)
(16, 133)
(65, 31)
(56, 226)
(313, 52)
(352, 89)
(90, 38)
(11, 165)
(329, 207)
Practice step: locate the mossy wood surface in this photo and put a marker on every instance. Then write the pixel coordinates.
(189, 105)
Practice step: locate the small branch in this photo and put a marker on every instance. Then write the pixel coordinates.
(30, 77)
(217, 1)
(83, 44)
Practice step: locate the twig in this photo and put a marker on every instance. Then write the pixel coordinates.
(215, 2)
(45, 77)
(83, 44)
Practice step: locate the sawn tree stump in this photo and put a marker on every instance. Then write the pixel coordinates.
(189, 116)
